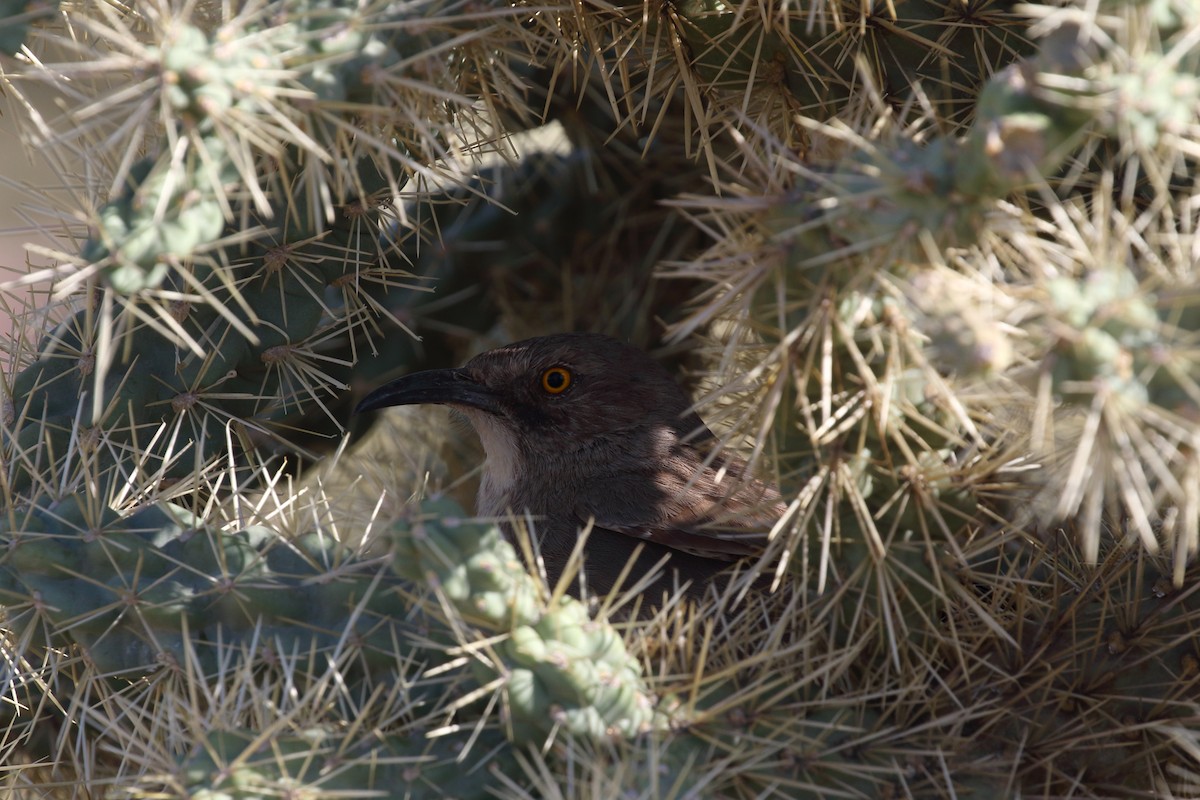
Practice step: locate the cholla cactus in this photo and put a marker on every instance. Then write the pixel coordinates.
(942, 276)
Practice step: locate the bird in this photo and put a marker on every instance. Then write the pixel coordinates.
(584, 432)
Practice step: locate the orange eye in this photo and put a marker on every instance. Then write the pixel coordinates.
(556, 380)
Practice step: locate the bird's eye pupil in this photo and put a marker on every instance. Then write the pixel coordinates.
(556, 380)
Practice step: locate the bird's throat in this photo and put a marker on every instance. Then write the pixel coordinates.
(502, 467)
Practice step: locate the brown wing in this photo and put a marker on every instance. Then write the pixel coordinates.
(686, 506)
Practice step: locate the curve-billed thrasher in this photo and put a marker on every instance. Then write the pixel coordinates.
(579, 427)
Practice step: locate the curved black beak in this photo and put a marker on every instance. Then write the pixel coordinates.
(441, 386)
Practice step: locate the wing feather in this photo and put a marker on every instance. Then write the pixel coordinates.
(687, 506)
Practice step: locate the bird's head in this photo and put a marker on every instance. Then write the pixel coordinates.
(567, 391)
